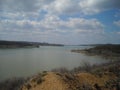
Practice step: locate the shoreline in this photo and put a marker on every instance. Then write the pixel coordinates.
(106, 51)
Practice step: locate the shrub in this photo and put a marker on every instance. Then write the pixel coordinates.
(12, 84)
(61, 70)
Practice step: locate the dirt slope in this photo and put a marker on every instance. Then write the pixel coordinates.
(51, 81)
(57, 81)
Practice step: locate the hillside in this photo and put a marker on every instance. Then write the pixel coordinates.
(107, 50)
(101, 78)
(19, 44)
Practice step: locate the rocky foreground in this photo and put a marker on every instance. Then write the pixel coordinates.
(67, 81)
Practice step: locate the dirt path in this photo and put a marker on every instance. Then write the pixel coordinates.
(51, 82)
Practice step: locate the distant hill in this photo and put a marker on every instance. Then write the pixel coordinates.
(106, 50)
(14, 44)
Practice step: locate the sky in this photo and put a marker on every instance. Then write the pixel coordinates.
(61, 21)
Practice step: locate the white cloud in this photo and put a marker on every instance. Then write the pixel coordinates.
(96, 6)
(55, 30)
(15, 8)
(42, 18)
(52, 27)
(63, 7)
(85, 24)
(87, 7)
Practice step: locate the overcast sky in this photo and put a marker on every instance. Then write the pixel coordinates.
(60, 21)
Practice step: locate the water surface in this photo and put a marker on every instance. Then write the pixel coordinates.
(21, 62)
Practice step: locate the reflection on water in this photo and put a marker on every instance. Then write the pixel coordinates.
(25, 62)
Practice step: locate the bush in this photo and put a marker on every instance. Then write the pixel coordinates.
(61, 70)
(12, 84)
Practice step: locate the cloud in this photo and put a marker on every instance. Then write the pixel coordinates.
(18, 15)
(118, 33)
(63, 7)
(19, 5)
(117, 23)
(58, 7)
(96, 6)
(21, 9)
(86, 7)
(51, 27)
(23, 5)
(44, 19)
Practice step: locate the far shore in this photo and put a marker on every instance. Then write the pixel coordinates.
(24, 44)
(110, 51)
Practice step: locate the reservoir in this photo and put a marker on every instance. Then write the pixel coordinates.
(23, 62)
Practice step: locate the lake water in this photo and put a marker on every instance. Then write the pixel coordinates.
(21, 62)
